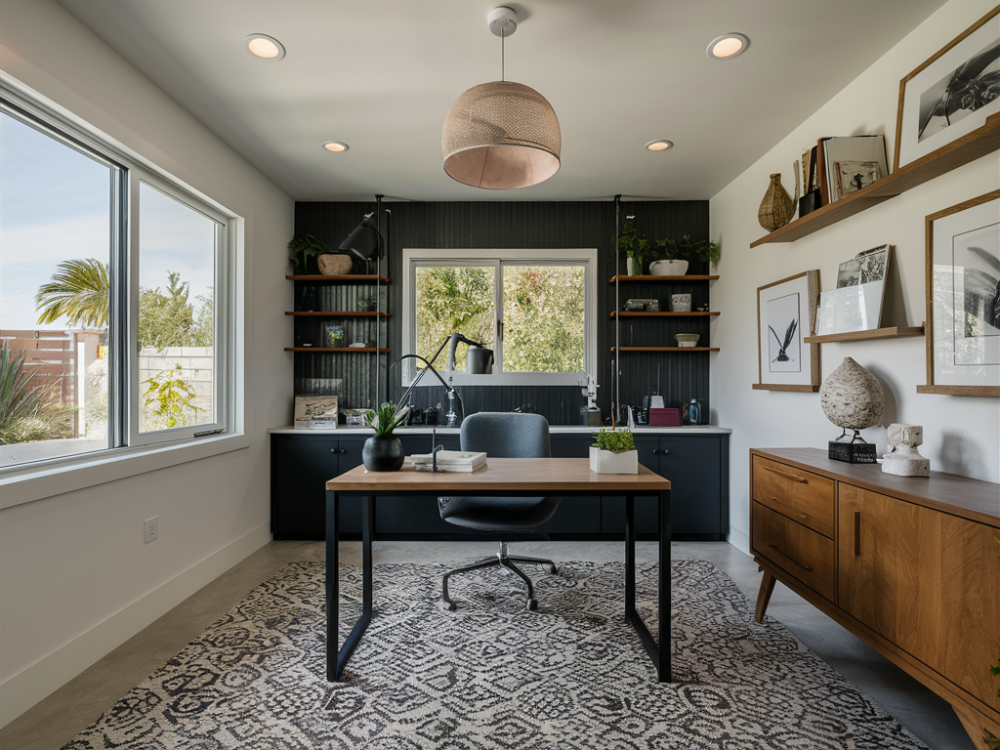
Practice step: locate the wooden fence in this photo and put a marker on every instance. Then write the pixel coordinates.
(52, 357)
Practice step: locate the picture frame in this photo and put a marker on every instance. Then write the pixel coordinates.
(786, 314)
(944, 98)
(316, 413)
(856, 304)
(963, 298)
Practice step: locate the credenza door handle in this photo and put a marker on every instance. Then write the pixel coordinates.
(857, 533)
(807, 568)
(793, 477)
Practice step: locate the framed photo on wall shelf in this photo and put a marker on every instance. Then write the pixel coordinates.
(786, 313)
(856, 304)
(963, 299)
(951, 94)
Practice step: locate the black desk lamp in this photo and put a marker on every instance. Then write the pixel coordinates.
(365, 241)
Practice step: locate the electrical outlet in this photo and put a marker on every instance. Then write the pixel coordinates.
(151, 529)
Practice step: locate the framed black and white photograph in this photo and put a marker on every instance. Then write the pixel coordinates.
(856, 304)
(951, 94)
(785, 315)
(963, 299)
(854, 175)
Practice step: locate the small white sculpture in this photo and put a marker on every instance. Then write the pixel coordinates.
(903, 458)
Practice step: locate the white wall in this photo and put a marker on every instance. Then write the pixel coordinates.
(75, 578)
(961, 433)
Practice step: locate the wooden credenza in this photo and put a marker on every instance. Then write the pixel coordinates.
(910, 565)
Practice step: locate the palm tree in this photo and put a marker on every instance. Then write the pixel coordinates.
(79, 290)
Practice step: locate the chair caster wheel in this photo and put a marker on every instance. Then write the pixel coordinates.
(532, 605)
(554, 570)
(447, 606)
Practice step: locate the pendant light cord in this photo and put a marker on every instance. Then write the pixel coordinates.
(502, 58)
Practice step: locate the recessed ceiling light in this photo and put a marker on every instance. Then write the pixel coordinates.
(265, 47)
(658, 145)
(335, 146)
(727, 46)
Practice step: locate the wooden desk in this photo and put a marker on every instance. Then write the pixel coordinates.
(503, 477)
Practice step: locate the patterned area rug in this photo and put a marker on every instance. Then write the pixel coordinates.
(491, 675)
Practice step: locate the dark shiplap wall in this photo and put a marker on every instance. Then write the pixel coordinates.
(484, 224)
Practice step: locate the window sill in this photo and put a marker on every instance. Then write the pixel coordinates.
(25, 485)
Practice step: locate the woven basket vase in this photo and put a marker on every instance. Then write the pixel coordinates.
(777, 208)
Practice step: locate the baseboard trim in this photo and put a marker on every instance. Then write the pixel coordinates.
(23, 690)
(739, 540)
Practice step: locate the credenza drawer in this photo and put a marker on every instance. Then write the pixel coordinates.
(801, 495)
(800, 551)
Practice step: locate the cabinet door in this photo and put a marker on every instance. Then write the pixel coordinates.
(575, 514)
(397, 516)
(647, 509)
(693, 466)
(925, 580)
(300, 467)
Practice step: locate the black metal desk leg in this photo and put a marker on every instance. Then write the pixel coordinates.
(663, 665)
(332, 585)
(354, 637)
(629, 556)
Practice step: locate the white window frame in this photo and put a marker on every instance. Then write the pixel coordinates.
(419, 257)
(156, 450)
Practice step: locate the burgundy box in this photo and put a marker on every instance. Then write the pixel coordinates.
(664, 417)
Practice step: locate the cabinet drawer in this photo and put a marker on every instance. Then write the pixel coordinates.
(800, 495)
(792, 547)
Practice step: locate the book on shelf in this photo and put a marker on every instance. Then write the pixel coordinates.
(450, 461)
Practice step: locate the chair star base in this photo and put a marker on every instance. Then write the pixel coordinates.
(501, 559)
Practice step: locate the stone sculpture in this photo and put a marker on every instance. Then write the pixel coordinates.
(903, 458)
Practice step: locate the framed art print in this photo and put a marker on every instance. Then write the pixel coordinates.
(951, 94)
(856, 304)
(786, 313)
(963, 299)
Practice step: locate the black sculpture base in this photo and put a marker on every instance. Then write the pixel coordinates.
(852, 453)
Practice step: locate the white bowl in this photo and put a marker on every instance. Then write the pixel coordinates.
(668, 267)
(687, 339)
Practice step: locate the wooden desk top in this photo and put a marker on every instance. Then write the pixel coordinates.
(545, 476)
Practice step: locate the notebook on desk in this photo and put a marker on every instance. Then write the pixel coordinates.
(450, 461)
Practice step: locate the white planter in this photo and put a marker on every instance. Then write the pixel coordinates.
(630, 266)
(606, 462)
(669, 267)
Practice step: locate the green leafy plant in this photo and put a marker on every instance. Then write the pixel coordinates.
(633, 244)
(304, 248)
(79, 290)
(27, 413)
(386, 419)
(704, 250)
(616, 442)
(173, 398)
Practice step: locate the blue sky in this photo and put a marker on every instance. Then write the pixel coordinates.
(54, 206)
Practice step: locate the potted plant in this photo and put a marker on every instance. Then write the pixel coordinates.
(329, 262)
(613, 452)
(678, 254)
(634, 246)
(384, 451)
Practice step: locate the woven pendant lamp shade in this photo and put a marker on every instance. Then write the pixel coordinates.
(501, 135)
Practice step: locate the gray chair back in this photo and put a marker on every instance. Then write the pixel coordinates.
(504, 434)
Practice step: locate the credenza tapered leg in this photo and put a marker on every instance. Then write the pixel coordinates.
(764, 595)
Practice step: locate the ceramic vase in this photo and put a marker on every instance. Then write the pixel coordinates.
(334, 264)
(630, 267)
(852, 397)
(383, 453)
(669, 267)
(777, 208)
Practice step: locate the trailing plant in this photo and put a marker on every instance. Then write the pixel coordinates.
(27, 413)
(386, 419)
(704, 250)
(616, 442)
(633, 244)
(173, 397)
(304, 248)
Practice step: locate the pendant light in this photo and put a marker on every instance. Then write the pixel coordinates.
(501, 135)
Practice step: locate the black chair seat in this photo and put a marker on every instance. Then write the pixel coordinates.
(497, 513)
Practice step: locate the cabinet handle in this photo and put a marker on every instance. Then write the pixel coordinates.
(793, 477)
(807, 568)
(857, 534)
(334, 450)
(656, 451)
(664, 451)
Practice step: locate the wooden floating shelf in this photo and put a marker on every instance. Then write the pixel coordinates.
(347, 278)
(346, 349)
(895, 332)
(341, 314)
(662, 278)
(793, 388)
(668, 348)
(979, 142)
(663, 314)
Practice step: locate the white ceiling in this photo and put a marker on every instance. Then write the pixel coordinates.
(380, 75)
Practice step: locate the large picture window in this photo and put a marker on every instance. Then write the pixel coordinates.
(117, 298)
(531, 307)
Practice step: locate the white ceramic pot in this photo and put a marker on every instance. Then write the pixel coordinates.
(606, 462)
(669, 267)
(630, 266)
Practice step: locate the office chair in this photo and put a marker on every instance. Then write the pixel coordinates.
(502, 435)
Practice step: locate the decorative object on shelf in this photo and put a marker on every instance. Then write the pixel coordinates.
(642, 305)
(634, 246)
(669, 267)
(315, 413)
(903, 458)
(354, 417)
(334, 264)
(501, 135)
(687, 339)
(335, 335)
(613, 452)
(680, 303)
(664, 417)
(304, 249)
(776, 209)
(856, 303)
(384, 451)
(963, 298)
(357, 345)
(705, 251)
(951, 94)
(851, 163)
(852, 398)
(785, 313)
(694, 412)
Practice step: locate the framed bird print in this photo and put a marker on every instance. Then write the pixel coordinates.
(786, 314)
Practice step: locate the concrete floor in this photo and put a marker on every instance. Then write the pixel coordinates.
(62, 715)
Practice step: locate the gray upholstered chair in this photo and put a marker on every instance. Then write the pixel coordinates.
(502, 435)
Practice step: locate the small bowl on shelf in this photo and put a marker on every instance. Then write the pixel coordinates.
(687, 339)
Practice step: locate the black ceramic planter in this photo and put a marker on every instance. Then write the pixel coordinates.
(382, 454)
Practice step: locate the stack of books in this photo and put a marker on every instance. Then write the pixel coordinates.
(450, 461)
